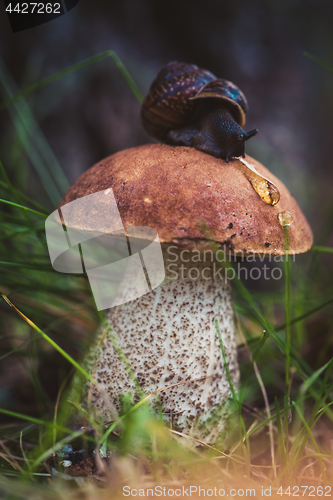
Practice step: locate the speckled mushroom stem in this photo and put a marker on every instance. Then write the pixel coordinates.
(169, 337)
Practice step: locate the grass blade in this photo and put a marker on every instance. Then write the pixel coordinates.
(37, 147)
(234, 395)
(287, 272)
(71, 69)
(50, 341)
(319, 61)
(305, 315)
(280, 432)
(318, 248)
(22, 207)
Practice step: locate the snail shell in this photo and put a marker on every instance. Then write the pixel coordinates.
(187, 105)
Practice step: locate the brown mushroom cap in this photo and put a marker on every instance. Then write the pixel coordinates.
(179, 191)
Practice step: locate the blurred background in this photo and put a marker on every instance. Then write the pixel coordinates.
(90, 114)
(257, 44)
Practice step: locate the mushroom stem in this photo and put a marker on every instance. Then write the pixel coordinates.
(168, 337)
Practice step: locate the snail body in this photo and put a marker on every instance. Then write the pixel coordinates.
(189, 106)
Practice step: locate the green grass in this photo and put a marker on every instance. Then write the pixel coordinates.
(48, 320)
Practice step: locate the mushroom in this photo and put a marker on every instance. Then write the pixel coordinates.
(168, 335)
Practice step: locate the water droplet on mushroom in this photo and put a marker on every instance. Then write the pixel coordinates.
(265, 188)
(285, 218)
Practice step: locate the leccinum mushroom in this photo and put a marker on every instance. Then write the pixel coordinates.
(168, 335)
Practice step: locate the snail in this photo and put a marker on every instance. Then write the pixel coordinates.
(189, 106)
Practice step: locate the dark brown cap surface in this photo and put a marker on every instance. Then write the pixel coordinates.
(189, 196)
